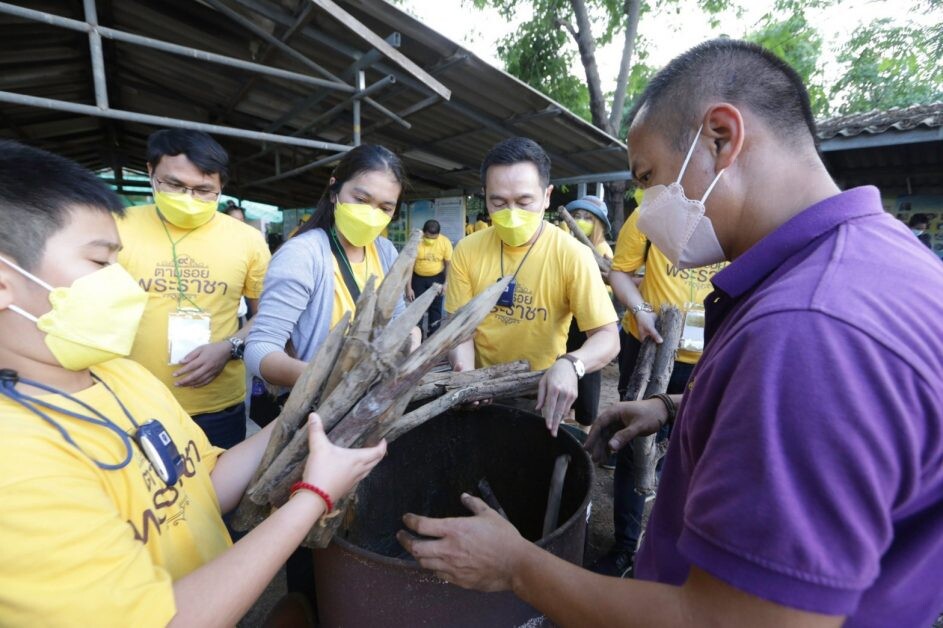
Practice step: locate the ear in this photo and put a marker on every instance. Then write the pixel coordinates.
(6, 287)
(724, 125)
(150, 171)
(547, 193)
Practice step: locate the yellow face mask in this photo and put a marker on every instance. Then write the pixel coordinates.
(361, 224)
(93, 320)
(184, 211)
(516, 226)
(586, 226)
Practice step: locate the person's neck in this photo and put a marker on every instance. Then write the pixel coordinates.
(355, 254)
(775, 203)
(51, 375)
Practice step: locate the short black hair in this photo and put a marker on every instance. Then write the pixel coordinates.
(918, 219)
(38, 190)
(516, 150)
(201, 149)
(432, 226)
(738, 72)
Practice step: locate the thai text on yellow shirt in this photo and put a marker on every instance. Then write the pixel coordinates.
(559, 280)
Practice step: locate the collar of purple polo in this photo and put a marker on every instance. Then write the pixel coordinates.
(769, 253)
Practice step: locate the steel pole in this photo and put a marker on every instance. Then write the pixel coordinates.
(296, 171)
(361, 83)
(163, 46)
(131, 116)
(98, 57)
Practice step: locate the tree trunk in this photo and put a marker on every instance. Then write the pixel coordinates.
(632, 8)
(583, 34)
(615, 201)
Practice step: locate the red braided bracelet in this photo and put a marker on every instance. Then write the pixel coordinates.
(304, 486)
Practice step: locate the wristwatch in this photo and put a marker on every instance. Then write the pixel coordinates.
(641, 307)
(238, 348)
(578, 365)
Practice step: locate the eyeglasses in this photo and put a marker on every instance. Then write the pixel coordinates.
(202, 193)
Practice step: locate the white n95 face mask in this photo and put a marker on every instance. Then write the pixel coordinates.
(677, 225)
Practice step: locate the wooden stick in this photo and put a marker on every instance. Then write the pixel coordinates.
(394, 283)
(494, 389)
(488, 496)
(604, 264)
(646, 451)
(293, 416)
(358, 337)
(554, 497)
(436, 384)
(643, 370)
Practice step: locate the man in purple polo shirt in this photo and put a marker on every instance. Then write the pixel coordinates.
(804, 480)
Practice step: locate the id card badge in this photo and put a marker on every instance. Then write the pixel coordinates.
(507, 297)
(692, 335)
(161, 451)
(186, 330)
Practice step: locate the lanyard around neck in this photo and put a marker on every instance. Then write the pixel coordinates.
(526, 255)
(181, 293)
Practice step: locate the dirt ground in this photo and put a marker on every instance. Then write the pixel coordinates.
(600, 524)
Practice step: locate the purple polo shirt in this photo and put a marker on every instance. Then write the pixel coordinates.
(806, 464)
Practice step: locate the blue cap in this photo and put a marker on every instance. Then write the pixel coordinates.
(598, 210)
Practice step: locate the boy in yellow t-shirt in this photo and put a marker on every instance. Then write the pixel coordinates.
(112, 496)
(430, 267)
(555, 278)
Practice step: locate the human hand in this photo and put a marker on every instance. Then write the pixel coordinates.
(646, 326)
(556, 393)
(480, 552)
(410, 294)
(334, 469)
(203, 364)
(621, 422)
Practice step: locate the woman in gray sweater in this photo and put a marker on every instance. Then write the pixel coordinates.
(317, 275)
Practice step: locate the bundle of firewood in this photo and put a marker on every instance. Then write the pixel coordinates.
(361, 381)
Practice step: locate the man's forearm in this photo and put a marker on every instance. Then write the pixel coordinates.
(572, 596)
(601, 346)
(625, 288)
(462, 357)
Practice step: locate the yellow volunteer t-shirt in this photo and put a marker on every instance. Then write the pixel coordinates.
(558, 280)
(219, 263)
(481, 225)
(469, 229)
(604, 249)
(343, 301)
(664, 283)
(82, 546)
(431, 257)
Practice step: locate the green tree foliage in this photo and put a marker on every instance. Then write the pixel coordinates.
(798, 43)
(890, 66)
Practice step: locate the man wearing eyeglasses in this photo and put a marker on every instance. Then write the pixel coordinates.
(196, 263)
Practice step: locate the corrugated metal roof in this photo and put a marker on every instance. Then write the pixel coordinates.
(878, 121)
(443, 148)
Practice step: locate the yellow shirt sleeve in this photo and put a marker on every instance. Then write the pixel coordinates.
(630, 247)
(604, 249)
(586, 292)
(458, 288)
(258, 265)
(66, 558)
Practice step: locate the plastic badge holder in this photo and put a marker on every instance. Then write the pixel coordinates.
(161, 451)
(186, 330)
(507, 297)
(692, 335)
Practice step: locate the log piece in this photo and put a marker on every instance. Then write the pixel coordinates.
(555, 495)
(488, 496)
(437, 384)
(358, 337)
(605, 265)
(394, 283)
(646, 451)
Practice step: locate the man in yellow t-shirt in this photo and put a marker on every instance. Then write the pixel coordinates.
(554, 279)
(196, 264)
(432, 263)
(663, 284)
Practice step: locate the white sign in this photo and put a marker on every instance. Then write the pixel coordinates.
(450, 212)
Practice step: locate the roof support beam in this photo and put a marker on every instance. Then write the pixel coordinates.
(132, 116)
(357, 27)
